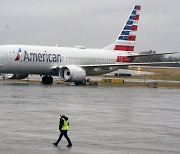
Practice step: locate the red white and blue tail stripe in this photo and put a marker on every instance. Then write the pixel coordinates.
(126, 39)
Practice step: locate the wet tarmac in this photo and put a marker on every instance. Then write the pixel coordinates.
(108, 120)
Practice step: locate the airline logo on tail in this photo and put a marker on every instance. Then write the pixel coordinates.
(18, 55)
(126, 39)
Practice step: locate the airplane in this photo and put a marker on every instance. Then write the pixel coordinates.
(72, 64)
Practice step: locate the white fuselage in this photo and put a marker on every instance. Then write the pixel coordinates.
(42, 59)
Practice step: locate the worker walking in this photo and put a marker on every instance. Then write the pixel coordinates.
(63, 127)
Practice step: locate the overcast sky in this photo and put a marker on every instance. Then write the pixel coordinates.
(91, 23)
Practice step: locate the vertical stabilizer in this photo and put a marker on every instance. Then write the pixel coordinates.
(126, 39)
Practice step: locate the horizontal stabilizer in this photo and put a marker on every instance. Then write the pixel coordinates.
(154, 54)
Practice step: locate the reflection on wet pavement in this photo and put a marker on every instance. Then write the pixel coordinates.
(102, 119)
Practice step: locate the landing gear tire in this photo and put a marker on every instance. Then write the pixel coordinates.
(47, 80)
(84, 82)
(81, 83)
(76, 83)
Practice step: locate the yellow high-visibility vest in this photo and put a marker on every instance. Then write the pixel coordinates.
(66, 125)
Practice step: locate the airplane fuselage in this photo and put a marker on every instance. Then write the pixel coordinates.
(42, 59)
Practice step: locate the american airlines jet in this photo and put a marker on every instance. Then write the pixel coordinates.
(71, 64)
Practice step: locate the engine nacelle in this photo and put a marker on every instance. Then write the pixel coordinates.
(71, 73)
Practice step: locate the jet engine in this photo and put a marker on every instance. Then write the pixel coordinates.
(71, 73)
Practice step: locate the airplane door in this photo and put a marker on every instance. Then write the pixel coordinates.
(10, 62)
(10, 57)
(66, 60)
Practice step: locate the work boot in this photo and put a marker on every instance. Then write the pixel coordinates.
(55, 144)
(69, 145)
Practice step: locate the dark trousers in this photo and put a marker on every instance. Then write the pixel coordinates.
(64, 133)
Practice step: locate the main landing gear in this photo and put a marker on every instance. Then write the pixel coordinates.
(81, 83)
(47, 80)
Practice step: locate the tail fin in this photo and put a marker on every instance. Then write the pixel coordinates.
(126, 39)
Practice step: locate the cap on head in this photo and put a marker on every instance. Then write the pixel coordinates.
(62, 115)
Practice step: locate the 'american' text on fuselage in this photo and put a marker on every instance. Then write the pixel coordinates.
(41, 57)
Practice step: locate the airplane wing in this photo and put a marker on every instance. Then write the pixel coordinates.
(97, 69)
(107, 68)
(130, 64)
